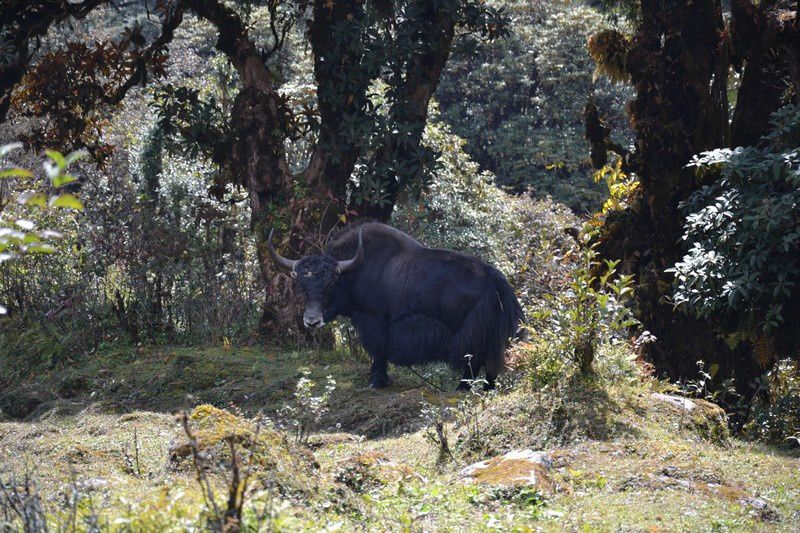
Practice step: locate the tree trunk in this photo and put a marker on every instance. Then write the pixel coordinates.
(420, 75)
(678, 64)
(761, 93)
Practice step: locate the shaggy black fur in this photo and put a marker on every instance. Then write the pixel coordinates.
(412, 304)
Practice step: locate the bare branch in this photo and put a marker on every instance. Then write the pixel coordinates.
(286, 24)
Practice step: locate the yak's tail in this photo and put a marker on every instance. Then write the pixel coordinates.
(487, 329)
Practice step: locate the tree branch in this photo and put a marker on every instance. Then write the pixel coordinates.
(286, 25)
(139, 75)
(23, 21)
(416, 78)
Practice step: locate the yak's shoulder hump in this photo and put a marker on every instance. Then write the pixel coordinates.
(374, 234)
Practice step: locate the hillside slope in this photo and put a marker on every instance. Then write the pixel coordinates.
(106, 448)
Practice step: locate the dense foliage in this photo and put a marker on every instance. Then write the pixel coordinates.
(463, 210)
(519, 101)
(707, 75)
(35, 204)
(743, 230)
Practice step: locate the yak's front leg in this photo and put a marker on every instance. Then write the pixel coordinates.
(373, 334)
(378, 372)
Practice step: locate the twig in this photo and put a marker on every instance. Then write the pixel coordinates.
(202, 479)
(136, 451)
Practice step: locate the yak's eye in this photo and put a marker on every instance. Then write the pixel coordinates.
(308, 274)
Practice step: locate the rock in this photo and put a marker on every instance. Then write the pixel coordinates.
(708, 419)
(516, 468)
(681, 403)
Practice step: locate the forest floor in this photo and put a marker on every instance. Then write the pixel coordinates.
(101, 443)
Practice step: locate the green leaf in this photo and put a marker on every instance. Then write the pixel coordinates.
(63, 179)
(33, 198)
(40, 249)
(75, 156)
(57, 158)
(66, 200)
(16, 173)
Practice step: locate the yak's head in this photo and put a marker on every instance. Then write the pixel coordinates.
(318, 276)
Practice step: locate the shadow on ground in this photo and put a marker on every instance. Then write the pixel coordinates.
(169, 380)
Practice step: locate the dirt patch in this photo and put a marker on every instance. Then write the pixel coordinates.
(376, 414)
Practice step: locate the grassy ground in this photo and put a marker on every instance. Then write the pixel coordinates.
(106, 431)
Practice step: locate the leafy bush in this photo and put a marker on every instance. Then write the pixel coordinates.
(591, 311)
(151, 259)
(24, 238)
(307, 409)
(775, 416)
(462, 209)
(743, 230)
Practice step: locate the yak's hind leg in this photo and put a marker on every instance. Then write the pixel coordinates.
(418, 339)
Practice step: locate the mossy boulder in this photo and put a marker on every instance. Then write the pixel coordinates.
(514, 469)
(267, 451)
(709, 420)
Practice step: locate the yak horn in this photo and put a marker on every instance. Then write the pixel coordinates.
(344, 266)
(281, 261)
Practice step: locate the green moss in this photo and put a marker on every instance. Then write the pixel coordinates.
(512, 472)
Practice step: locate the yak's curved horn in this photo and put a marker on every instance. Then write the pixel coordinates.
(344, 266)
(281, 261)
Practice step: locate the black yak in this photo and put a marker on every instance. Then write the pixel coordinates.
(410, 304)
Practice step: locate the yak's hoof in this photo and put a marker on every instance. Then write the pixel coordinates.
(379, 383)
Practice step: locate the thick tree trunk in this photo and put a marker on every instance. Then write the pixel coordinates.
(256, 158)
(678, 64)
(761, 93)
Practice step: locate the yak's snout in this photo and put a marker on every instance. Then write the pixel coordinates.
(312, 318)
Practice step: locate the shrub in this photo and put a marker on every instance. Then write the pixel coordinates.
(152, 259)
(34, 200)
(775, 414)
(590, 311)
(305, 412)
(743, 230)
